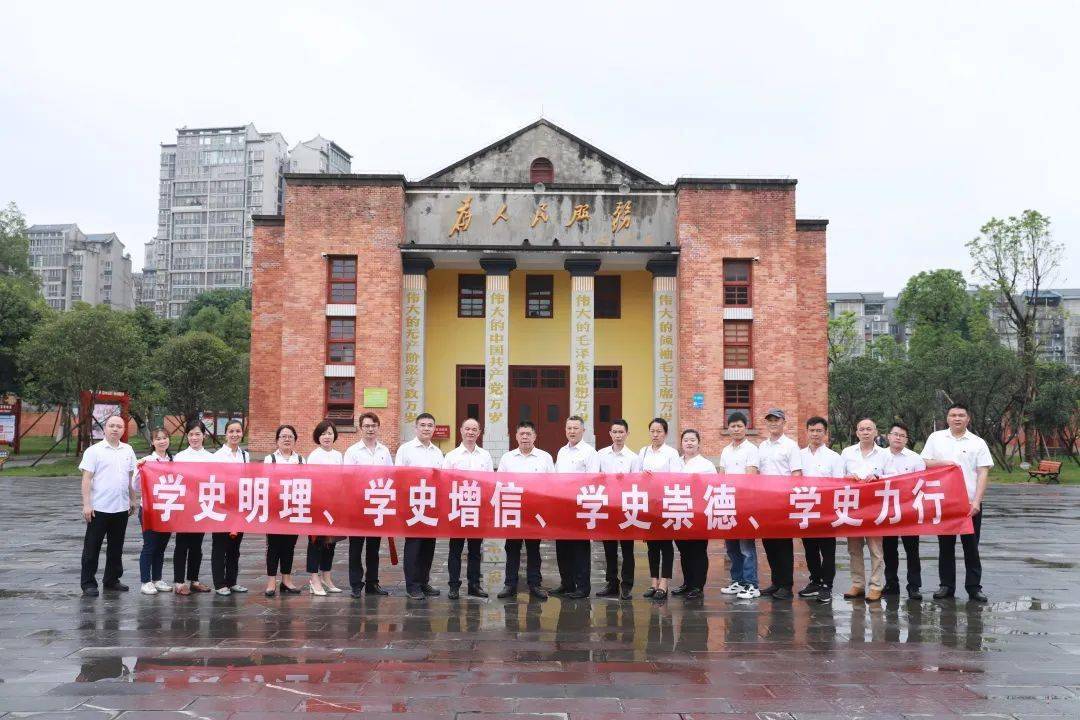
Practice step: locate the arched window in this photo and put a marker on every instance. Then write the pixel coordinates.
(541, 171)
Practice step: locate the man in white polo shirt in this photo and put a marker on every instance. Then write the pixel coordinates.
(525, 458)
(819, 460)
(420, 552)
(369, 451)
(901, 461)
(467, 456)
(959, 446)
(107, 477)
(617, 458)
(865, 462)
(779, 455)
(573, 556)
(740, 457)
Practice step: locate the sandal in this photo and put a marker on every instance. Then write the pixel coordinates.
(181, 589)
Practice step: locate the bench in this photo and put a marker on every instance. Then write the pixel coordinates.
(1047, 469)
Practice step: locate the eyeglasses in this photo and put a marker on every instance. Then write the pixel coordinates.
(368, 426)
(898, 435)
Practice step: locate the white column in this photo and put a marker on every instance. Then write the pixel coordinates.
(582, 340)
(413, 323)
(497, 355)
(665, 343)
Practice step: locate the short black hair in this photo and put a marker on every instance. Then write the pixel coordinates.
(192, 424)
(659, 421)
(621, 421)
(424, 416)
(526, 424)
(690, 431)
(958, 406)
(902, 426)
(290, 428)
(737, 417)
(321, 428)
(578, 418)
(369, 416)
(817, 420)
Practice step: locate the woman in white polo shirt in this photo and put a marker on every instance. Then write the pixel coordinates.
(661, 458)
(225, 546)
(280, 548)
(187, 551)
(693, 554)
(320, 550)
(152, 557)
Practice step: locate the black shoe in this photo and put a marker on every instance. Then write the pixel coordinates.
(609, 592)
(454, 594)
(769, 590)
(538, 592)
(286, 590)
(269, 593)
(681, 590)
(914, 594)
(890, 590)
(374, 589)
(810, 591)
(508, 591)
(626, 594)
(693, 594)
(560, 590)
(825, 596)
(576, 595)
(476, 591)
(944, 592)
(781, 594)
(90, 592)
(650, 592)
(430, 591)
(978, 597)
(356, 593)
(415, 594)
(660, 594)
(116, 587)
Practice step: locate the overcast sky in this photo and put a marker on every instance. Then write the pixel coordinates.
(907, 125)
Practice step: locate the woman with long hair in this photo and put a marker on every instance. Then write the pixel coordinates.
(225, 546)
(659, 457)
(280, 548)
(152, 557)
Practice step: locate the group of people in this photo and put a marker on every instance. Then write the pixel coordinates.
(109, 469)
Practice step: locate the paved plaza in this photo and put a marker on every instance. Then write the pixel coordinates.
(203, 656)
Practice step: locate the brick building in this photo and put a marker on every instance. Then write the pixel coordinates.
(537, 278)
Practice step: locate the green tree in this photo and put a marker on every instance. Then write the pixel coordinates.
(938, 306)
(1013, 256)
(21, 310)
(199, 372)
(89, 348)
(843, 337)
(221, 299)
(1055, 411)
(15, 245)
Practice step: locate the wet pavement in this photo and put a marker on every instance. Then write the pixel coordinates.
(133, 656)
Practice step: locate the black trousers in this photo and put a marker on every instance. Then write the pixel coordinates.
(781, 555)
(661, 558)
(820, 560)
(363, 550)
(694, 558)
(320, 555)
(611, 556)
(419, 554)
(472, 567)
(972, 563)
(890, 547)
(513, 562)
(103, 527)
(187, 557)
(225, 558)
(565, 564)
(579, 565)
(279, 554)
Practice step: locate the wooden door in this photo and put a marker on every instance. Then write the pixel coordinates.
(541, 394)
(470, 397)
(607, 401)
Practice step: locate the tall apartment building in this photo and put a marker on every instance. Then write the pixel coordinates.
(874, 316)
(319, 155)
(76, 267)
(212, 181)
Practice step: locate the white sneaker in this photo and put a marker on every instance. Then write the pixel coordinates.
(223, 591)
(163, 586)
(749, 593)
(238, 589)
(732, 589)
(148, 589)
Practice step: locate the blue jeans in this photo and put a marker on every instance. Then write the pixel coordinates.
(152, 557)
(743, 557)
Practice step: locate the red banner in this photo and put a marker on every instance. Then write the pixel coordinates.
(420, 502)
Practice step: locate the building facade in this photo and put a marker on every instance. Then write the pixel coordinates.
(536, 279)
(212, 180)
(874, 316)
(76, 267)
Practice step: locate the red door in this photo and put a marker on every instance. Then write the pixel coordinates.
(607, 402)
(540, 394)
(470, 397)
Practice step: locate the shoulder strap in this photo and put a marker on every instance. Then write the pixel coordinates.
(300, 458)
(245, 452)
(273, 458)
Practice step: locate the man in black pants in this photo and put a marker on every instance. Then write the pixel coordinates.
(779, 455)
(420, 552)
(617, 458)
(901, 460)
(525, 458)
(107, 475)
(819, 460)
(575, 556)
(365, 550)
(467, 456)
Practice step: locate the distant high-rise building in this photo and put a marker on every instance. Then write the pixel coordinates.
(212, 181)
(74, 267)
(874, 316)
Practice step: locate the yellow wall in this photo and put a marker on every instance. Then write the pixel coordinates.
(451, 341)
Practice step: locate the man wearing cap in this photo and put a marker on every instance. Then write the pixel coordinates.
(779, 455)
